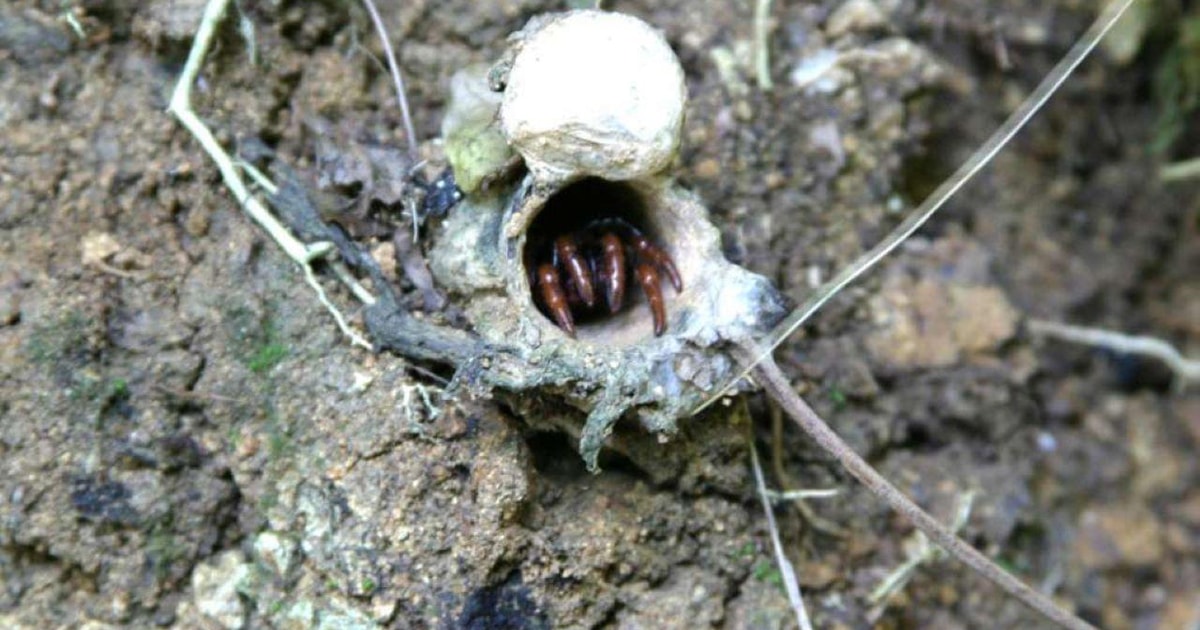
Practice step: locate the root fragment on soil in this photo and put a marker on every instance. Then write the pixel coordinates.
(762, 44)
(777, 496)
(810, 517)
(777, 386)
(1186, 370)
(303, 254)
(1181, 171)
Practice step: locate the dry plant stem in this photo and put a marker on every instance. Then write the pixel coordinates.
(778, 388)
(980, 158)
(301, 253)
(1181, 171)
(784, 480)
(791, 584)
(779, 496)
(926, 553)
(762, 44)
(69, 17)
(1186, 370)
(397, 79)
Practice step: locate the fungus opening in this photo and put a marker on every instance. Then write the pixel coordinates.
(585, 211)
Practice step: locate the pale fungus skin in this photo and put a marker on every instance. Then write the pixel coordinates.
(592, 93)
(475, 147)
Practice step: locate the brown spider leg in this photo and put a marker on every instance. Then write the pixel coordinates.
(612, 270)
(567, 251)
(554, 298)
(572, 292)
(659, 257)
(648, 277)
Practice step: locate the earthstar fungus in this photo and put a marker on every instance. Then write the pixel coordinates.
(593, 104)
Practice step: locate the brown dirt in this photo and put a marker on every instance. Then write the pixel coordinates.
(186, 439)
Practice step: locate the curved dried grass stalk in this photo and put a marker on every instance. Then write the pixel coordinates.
(979, 159)
(780, 389)
(397, 80)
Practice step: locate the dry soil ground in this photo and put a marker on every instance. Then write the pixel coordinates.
(186, 439)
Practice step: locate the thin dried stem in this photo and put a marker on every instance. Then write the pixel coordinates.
(965, 173)
(780, 496)
(397, 80)
(785, 482)
(1181, 171)
(790, 583)
(778, 388)
(762, 44)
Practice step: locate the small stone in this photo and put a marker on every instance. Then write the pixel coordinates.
(820, 575)
(275, 551)
(215, 589)
(818, 72)
(162, 21)
(97, 247)
(1125, 39)
(10, 299)
(341, 615)
(708, 169)
(87, 625)
(1120, 537)
(298, 616)
(855, 16)
(930, 323)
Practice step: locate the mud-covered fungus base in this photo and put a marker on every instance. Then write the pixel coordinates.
(582, 212)
(616, 365)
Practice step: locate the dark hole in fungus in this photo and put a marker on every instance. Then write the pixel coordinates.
(556, 458)
(586, 210)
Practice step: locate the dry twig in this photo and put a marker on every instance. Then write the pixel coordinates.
(965, 173)
(778, 388)
(1181, 171)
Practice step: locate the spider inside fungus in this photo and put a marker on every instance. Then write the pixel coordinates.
(566, 264)
(580, 263)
